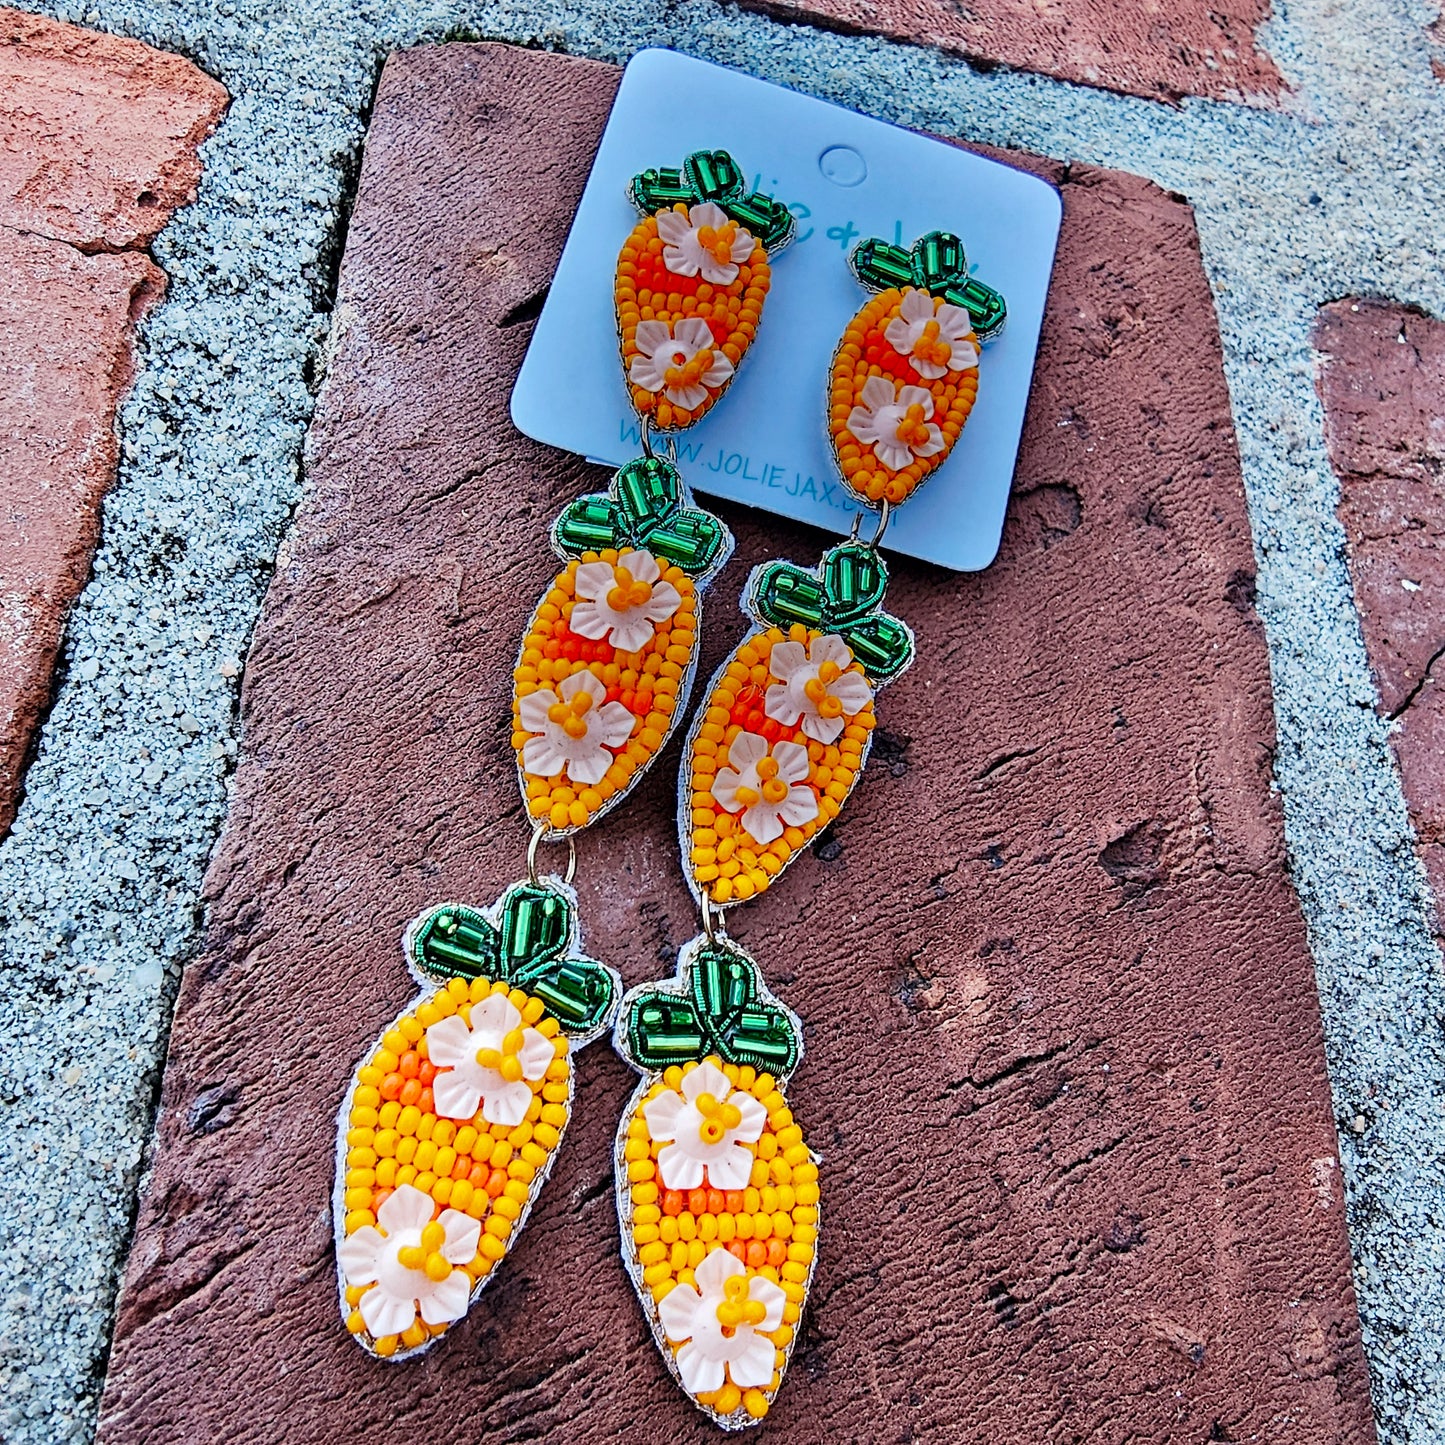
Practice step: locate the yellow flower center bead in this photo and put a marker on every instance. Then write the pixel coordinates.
(628, 591)
(427, 1255)
(717, 241)
(816, 690)
(571, 716)
(717, 1118)
(929, 347)
(737, 1308)
(913, 429)
(504, 1060)
(685, 375)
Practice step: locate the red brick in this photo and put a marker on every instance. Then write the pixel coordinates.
(97, 148)
(1382, 382)
(1064, 1055)
(98, 135)
(1192, 47)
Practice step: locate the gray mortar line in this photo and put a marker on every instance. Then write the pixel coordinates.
(99, 882)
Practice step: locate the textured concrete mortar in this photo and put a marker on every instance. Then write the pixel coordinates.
(99, 880)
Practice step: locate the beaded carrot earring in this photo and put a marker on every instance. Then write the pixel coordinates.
(717, 1190)
(454, 1116)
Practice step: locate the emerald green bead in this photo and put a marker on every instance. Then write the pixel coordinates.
(938, 265)
(527, 948)
(843, 596)
(646, 506)
(714, 176)
(716, 1006)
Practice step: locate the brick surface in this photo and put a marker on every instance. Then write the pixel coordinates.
(97, 148)
(1382, 381)
(98, 135)
(1064, 1059)
(1192, 47)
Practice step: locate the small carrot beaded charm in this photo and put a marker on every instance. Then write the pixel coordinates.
(608, 658)
(788, 722)
(691, 282)
(453, 1119)
(905, 375)
(717, 1192)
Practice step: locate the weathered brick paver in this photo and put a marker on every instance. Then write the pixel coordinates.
(98, 142)
(1163, 52)
(1382, 381)
(1064, 1058)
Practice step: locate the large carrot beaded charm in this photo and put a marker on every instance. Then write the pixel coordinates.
(905, 374)
(691, 282)
(788, 721)
(717, 1192)
(454, 1116)
(608, 658)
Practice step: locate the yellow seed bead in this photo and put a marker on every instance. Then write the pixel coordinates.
(644, 1234)
(355, 1323)
(546, 1135)
(727, 1227)
(506, 1208)
(515, 1189)
(656, 1273)
(646, 1214)
(386, 1174)
(679, 1256)
(385, 1346)
(358, 1218)
(498, 1224)
(668, 1228)
(490, 1246)
(644, 1193)
(728, 1399)
(555, 1115)
(640, 1169)
(755, 1403)
(462, 1192)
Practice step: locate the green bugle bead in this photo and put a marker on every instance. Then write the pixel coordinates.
(578, 996)
(535, 926)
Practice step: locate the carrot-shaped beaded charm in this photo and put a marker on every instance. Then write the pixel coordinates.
(454, 1116)
(608, 658)
(717, 1192)
(788, 721)
(691, 282)
(905, 374)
